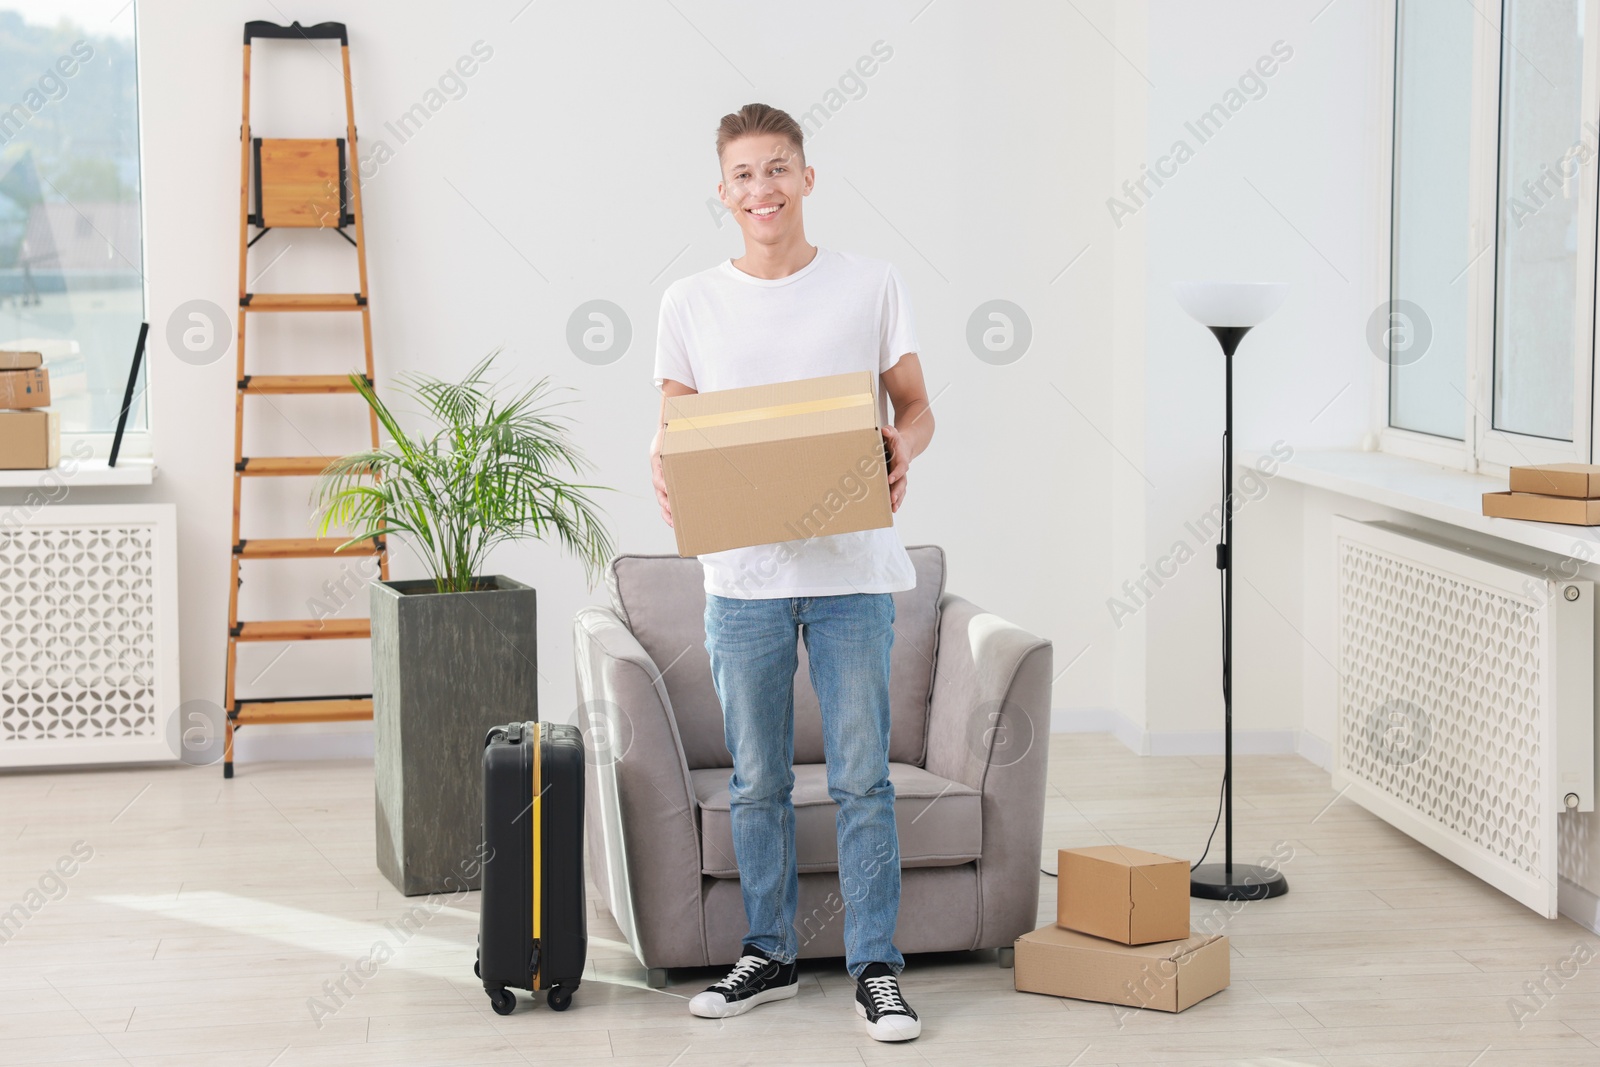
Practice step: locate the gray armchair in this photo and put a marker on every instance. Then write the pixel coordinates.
(968, 742)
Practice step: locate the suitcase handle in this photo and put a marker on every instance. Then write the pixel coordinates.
(512, 732)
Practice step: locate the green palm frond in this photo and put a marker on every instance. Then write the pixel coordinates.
(491, 472)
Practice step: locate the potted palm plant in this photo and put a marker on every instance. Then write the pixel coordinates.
(457, 652)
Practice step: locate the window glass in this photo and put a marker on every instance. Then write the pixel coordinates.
(1427, 335)
(1536, 279)
(71, 257)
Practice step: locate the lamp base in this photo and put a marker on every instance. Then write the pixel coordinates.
(1210, 881)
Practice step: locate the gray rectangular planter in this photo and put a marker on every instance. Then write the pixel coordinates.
(445, 668)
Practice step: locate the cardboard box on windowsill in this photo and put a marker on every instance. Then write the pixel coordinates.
(21, 389)
(1124, 894)
(1164, 975)
(1536, 507)
(29, 440)
(20, 360)
(1579, 480)
(771, 463)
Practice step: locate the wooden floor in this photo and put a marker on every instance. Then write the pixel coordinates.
(211, 915)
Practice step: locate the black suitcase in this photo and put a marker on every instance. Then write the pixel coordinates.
(533, 931)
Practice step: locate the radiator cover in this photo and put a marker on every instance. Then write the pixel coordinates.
(88, 634)
(1466, 700)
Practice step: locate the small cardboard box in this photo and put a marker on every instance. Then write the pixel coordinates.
(20, 360)
(1166, 975)
(1124, 894)
(1541, 508)
(771, 463)
(29, 440)
(1581, 480)
(24, 388)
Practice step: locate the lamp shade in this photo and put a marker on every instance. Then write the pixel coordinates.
(1237, 304)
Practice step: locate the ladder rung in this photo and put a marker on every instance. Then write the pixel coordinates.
(303, 302)
(303, 548)
(303, 709)
(284, 466)
(259, 384)
(304, 630)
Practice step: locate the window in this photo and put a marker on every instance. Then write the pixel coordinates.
(1492, 252)
(71, 247)
(1432, 239)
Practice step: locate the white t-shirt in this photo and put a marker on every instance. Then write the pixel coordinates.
(725, 329)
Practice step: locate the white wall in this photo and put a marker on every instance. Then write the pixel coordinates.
(980, 158)
(1283, 191)
(578, 165)
(1291, 189)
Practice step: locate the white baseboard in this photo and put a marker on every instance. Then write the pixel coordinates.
(1316, 750)
(1578, 904)
(1188, 742)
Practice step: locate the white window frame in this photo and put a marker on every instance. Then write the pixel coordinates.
(1482, 447)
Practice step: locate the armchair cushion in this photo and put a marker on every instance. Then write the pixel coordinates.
(940, 822)
(661, 599)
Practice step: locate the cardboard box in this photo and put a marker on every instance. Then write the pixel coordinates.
(1124, 894)
(20, 360)
(1540, 508)
(29, 440)
(1581, 480)
(770, 463)
(1167, 975)
(24, 388)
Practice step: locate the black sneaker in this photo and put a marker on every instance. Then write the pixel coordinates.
(878, 1000)
(755, 979)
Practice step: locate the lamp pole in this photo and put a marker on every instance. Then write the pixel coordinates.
(1226, 881)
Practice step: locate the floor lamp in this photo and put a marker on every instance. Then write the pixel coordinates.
(1229, 310)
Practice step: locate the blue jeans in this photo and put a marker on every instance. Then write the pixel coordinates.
(754, 659)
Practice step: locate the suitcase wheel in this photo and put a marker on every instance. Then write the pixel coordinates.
(560, 999)
(477, 969)
(502, 1000)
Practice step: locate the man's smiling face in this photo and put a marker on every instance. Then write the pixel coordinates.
(763, 181)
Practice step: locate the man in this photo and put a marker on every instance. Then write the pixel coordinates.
(787, 310)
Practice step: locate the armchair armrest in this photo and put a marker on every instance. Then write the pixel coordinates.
(989, 729)
(643, 824)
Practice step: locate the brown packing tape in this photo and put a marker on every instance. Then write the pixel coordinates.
(770, 411)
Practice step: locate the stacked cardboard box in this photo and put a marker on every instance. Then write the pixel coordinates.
(30, 435)
(769, 463)
(1551, 492)
(1121, 934)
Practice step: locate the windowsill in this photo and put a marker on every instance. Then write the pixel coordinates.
(128, 471)
(1449, 496)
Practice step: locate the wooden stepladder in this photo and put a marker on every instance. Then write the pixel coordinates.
(302, 184)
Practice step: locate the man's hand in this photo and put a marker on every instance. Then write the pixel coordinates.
(899, 461)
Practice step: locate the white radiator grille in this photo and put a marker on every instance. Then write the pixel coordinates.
(1427, 654)
(1447, 706)
(84, 658)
